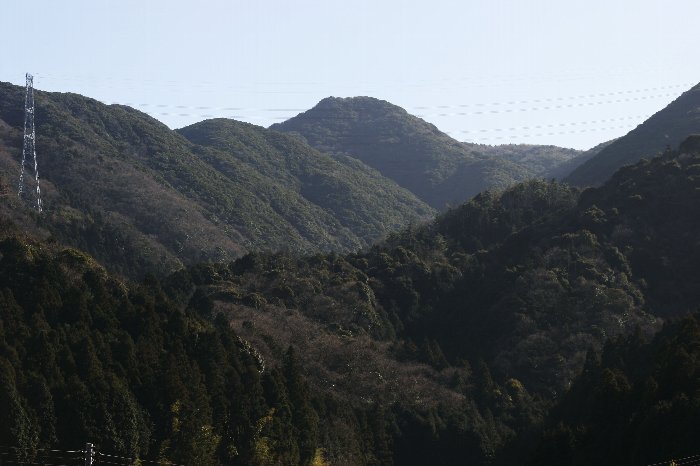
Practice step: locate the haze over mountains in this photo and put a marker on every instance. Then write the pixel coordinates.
(117, 180)
(298, 299)
(448, 342)
(665, 129)
(435, 167)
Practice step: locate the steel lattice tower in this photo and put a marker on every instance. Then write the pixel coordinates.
(29, 147)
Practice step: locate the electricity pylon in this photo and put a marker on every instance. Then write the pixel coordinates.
(29, 146)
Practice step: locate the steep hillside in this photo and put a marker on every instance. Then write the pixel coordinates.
(563, 169)
(447, 343)
(638, 403)
(541, 161)
(142, 198)
(415, 154)
(84, 356)
(343, 190)
(498, 302)
(666, 128)
(528, 281)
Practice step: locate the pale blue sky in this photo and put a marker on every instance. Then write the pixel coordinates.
(585, 71)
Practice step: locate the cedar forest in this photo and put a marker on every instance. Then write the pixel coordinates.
(269, 297)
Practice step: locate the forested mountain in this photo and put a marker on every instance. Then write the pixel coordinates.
(85, 356)
(635, 404)
(459, 341)
(502, 298)
(563, 169)
(666, 128)
(432, 165)
(342, 192)
(540, 161)
(141, 198)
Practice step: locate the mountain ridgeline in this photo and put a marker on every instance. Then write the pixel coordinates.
(415, 154)
(665, 129)
(344, 192)
(516, 328)
(226, 294)
(143, 198)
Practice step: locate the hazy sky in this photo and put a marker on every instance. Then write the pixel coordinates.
(571, 73)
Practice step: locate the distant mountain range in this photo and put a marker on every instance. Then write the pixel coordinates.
(143, 198)
(118, 182)
(415, 154)
(505, 299)
(665, 129)
(514, 328)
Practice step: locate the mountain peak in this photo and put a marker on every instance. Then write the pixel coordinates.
(208, 192)
(354, 102)
(359, 108)
(414, 153)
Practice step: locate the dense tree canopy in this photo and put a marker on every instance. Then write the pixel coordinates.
(518, 325)
(438, 169)
(143, 198)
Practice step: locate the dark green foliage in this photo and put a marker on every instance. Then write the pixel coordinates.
(667, 128)
(304, 418)
(84, 357)
(16, 425)
(638, 404)
(142, 198)
(562, 170)
(515, 273)
(344, 194)
(647, 212)
(528, 281)
(436, 168)
(447, 343)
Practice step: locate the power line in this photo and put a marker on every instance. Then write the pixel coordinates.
(495, 108)
(356, 138)
(550, 107)
(453, 114)
(457, 110)
(551, 133)
(40, 456)
(57, 457)
(489, 79)
(557, 125)
(678, 461)
(482, 107)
